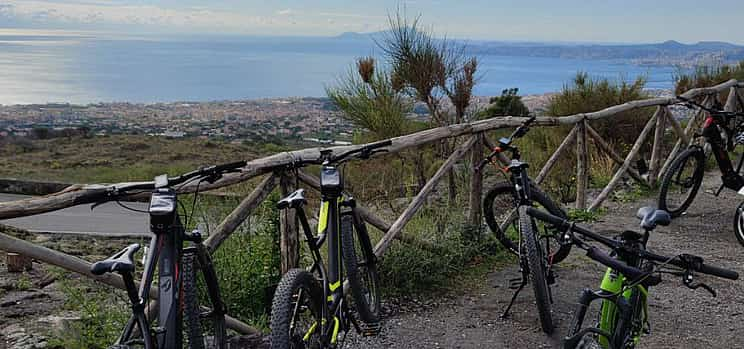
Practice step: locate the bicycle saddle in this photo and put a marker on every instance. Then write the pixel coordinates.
(293, 200)
(651, 217)
(121, 262)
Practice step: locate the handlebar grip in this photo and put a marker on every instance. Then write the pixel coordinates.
(547, 217)
(720, 272)
(630, 273)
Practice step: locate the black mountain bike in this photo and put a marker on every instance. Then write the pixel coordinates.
(686, 172)
(309, 308)
(180, 315)
(538, 249)
(623, 313)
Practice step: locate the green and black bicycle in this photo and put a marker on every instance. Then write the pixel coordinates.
(309, 309)
(537, 246)
(623, 313)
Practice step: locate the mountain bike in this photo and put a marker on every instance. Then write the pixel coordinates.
(537, 249)
(309, 309)
(682, 181)
(180, 270)
(623, 293)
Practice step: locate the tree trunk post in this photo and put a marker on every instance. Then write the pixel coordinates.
(653, 169)
(626, 164)
(17, 263)
(476, 185)
(289, 240)
(582, 165)
(545, 170)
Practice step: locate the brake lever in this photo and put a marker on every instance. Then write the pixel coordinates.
(687, 281)
(111, 192)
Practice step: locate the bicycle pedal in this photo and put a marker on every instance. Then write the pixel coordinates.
(515, 283)
(371, 329)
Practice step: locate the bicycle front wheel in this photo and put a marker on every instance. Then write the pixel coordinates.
(739, 223)
(361, 269)
(682, 181)
(537, 264)
(296, 318)
(203, 312)
(500, 211)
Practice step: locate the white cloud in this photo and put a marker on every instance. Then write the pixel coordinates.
(76, 14)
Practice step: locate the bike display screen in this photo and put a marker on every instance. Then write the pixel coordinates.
(330, 178)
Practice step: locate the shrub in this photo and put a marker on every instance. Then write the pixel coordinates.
(584, 95)
(706, 76)
(509, 103)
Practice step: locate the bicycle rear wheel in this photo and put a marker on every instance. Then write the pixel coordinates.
(537, 264)
(203, 311)
(361, 269)
(296, 312)
(682, 181)
(500, 211)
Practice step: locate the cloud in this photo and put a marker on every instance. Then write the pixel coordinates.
(285, 12)
(101, 14)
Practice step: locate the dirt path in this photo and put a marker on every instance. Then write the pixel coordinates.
(679, 317)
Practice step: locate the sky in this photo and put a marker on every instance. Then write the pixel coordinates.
(626, 21)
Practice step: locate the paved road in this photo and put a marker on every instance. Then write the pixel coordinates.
(108, 219)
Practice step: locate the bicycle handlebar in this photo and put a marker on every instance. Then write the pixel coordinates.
(326, 155)
(684, 261)
(209, 171)
(631, 273)
(709, 110)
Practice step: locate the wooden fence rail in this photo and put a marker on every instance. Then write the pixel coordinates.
(275, 168)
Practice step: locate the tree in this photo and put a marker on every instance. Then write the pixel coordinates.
(369, 99)
(509, 103)
(430, 70)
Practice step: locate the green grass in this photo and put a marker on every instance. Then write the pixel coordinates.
(103, 314)
(113, 158)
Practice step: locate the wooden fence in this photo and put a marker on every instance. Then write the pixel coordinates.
(275, 171)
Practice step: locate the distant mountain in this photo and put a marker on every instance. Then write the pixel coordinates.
(665, 53)
(668, 52)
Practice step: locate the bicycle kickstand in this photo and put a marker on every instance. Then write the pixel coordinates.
(512, 285)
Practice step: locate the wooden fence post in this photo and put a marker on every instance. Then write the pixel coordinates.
(626, 164)
(418, 201)
(476, 185)
(289, 243)
(604, 146)
(545, 170)
(582, 165)
(240, 213)
(653, 169)
(684, 137)
(731, 101)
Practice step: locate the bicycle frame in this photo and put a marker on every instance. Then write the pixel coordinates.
(623, 310)
(328, 232)
(711, 133)
(165, 251)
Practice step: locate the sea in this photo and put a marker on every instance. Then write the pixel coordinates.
(92, 68)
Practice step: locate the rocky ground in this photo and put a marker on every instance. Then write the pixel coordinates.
(679, 317)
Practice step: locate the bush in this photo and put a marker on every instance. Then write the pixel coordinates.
(584, 95)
